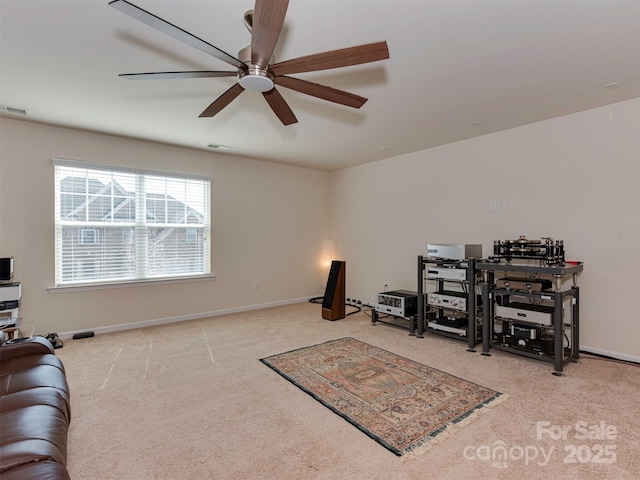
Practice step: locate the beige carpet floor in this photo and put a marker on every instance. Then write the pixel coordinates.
(191, 400)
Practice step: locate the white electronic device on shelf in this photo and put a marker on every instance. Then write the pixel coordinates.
(453, 251)
(444, 273)
(10, 292)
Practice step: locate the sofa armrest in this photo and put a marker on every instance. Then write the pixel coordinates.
(29, 346)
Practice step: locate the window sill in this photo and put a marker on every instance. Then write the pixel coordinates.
(128, 284)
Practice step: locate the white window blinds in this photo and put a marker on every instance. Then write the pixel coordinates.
(116, 224)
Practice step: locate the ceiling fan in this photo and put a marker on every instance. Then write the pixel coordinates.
(255, 68)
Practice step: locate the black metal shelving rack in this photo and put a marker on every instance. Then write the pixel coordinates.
(556, 296)
(471, 337)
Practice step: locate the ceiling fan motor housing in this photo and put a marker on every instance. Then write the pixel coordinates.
(255, 78)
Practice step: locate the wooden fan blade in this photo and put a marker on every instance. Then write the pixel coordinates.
(345, 57)
(280, 107)
(175, 75)
(268, 19)
(174, 31)
(222, 101)
(321, 91)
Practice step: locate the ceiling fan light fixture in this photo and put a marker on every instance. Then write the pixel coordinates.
(256, 79)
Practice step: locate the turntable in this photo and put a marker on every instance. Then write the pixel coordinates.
(547, 249)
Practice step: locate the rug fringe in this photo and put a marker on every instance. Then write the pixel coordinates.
(427, 443)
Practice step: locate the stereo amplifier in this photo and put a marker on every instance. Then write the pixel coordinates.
(540, 346)
(445, 273)
(400, 303)
(531, 285)
(448, 299)
(524, 331)
(527, 312)
(451, 251)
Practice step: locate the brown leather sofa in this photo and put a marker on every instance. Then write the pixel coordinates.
(34, 411)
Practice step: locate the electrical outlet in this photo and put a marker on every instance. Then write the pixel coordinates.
(258, 284)
(501, 205)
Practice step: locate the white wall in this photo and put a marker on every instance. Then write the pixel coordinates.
(575, 178)
(268, 224)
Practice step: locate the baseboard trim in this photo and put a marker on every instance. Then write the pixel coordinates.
(226, 311)
(181, 318)
(606, 353)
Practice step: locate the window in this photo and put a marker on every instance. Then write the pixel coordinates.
(117, 225)
(191, 235)
(88, 235)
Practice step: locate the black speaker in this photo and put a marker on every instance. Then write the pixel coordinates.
(6, 269)
(333, 303)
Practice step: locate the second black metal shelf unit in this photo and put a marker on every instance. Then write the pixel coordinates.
(551, 308)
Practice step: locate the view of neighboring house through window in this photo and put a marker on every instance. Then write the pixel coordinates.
(88, 235)
(115, 224)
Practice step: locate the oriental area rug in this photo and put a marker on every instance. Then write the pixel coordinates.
(401, 404)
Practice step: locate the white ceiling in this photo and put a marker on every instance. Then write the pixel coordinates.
(503, 63)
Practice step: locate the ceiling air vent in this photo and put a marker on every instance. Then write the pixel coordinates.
(13, 110)
(217, 146)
